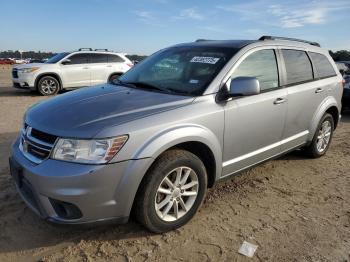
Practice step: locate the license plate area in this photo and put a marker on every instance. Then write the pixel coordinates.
(16, 173)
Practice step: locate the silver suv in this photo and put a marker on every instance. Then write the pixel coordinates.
(188, 116)
(69, 70)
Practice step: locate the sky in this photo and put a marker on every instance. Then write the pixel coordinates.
(145, 26)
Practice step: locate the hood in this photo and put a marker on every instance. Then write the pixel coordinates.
(85, 112)
(30, 65)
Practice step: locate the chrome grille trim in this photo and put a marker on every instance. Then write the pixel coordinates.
(36, 144)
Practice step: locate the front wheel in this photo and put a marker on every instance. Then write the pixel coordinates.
(48, 86)
(322, 138)
(171, 192)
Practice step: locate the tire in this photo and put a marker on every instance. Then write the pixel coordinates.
(113, 77)
(314, 150)
(149, 199)
(48, 86)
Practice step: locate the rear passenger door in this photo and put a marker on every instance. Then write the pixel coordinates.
(99, 68)
(304, 96)
(254, 124)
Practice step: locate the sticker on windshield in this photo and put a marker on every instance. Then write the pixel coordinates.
(204, 59)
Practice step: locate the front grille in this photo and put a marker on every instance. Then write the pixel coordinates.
(15, 73)
(36, 145)
(43, 136)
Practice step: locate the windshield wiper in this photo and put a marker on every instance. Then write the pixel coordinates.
(177, 91)
(145, 86)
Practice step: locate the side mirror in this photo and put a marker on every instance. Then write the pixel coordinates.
(244, 86)
(66, 62)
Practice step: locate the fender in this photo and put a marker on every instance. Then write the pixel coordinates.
(48, 73)
(114, 73)
(175, 135)
(321, 110)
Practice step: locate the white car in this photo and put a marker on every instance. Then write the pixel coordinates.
(71, 70)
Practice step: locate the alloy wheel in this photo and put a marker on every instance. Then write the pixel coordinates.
(324, 136)
(176, 194)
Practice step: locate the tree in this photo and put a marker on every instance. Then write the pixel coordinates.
(342, 55)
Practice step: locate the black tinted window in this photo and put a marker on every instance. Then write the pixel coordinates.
(56, 58)
(79, 59)
(322, 65)
(115, 59)
(262, 65)
(98, 58)
(180, 70)
(298, 66)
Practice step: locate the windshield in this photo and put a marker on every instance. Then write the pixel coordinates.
(179, 70)
(56, 58)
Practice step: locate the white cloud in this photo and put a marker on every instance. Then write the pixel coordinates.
(290, 14)
(144, 15)
(148, 18)
(190, 13)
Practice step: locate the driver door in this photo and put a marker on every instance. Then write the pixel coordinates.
(254, 124)
(77, 73)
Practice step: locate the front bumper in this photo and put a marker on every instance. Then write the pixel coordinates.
(99, 192)
(24, 81)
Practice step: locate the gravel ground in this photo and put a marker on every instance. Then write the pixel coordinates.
(294, 209)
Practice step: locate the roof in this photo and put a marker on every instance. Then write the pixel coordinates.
(219, 43)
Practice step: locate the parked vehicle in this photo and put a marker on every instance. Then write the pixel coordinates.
(6, 61)
(71, 70)
(344, 68)
(183, 119)
(346, 94)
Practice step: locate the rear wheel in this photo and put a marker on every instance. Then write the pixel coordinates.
(171, 192)
(48, 86)
(113, 78)
(322, 138)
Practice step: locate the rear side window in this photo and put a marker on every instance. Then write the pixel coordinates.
(262, 65)
(298, 66)
(79, 59)
(115, 59)
(323, 67)
(98, 58)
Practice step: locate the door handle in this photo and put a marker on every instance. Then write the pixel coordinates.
(109, 66)
(279, 101)
(319, 90)
(85, 68)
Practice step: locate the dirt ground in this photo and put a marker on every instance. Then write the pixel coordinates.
(294, 209)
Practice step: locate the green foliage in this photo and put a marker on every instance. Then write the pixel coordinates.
(342, 55)
(43, 55)
(27, 54)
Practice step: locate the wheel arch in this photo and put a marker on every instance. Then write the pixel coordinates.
(329, 105)
(114, 73)
(55, 75)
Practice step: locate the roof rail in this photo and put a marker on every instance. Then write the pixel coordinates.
(269, 37)
(203, 40)
(101, 49)
(85, 49)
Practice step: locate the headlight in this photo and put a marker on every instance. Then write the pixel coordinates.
(97, 151)
(29, 70)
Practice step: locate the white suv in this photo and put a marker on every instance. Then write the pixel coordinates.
(71, 70)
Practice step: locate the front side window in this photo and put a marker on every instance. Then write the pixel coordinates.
(262, 65)
(298, 66)
(56, 58)
(79, 59)
(322, 65)
(180, 70)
